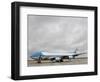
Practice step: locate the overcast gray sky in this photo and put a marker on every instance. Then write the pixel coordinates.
(56, 33)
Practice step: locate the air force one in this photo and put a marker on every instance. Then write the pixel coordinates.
(55, 56)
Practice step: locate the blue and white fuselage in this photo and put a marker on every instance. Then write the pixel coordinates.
(54, 56)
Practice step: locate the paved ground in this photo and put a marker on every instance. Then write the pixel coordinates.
(65, 62)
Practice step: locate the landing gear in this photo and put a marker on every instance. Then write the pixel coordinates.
(56, 60)
(53, 60)
(73, 57)
(61, 60)
(39, 60)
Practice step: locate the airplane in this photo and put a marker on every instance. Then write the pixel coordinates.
(55, 56)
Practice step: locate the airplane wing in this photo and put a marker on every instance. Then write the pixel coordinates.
(56, 54)
(81, 53)
(61, 54)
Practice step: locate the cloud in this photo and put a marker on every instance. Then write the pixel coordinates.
(56, 33)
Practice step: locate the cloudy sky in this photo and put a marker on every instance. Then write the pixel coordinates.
(57, 33)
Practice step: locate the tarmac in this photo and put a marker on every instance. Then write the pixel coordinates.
(65, 62)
